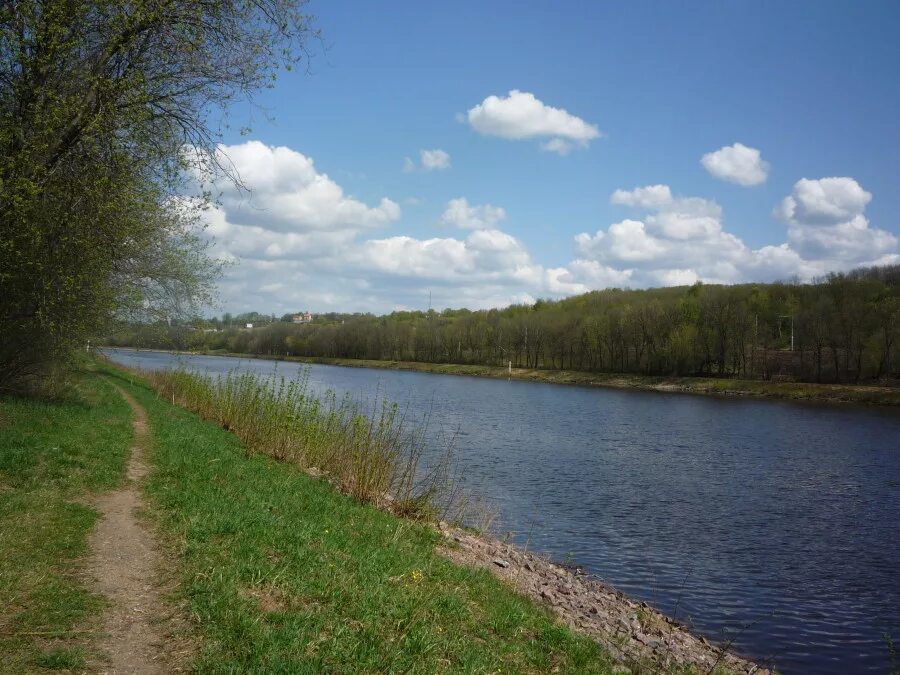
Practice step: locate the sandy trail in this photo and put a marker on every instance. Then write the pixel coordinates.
(124, 565)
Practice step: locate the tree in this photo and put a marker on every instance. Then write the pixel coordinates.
(104, 108)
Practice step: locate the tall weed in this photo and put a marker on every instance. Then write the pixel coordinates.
(371, 454)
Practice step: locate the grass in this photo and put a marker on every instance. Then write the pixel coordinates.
(52, 456)
(371, 455)
(283, 573)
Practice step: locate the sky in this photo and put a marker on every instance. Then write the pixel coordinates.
(477, 154)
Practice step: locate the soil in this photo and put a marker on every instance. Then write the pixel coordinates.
(125, 565)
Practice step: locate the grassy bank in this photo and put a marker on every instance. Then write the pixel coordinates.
(283, 573)
(796, 391)
(53, 455)
(372, 454)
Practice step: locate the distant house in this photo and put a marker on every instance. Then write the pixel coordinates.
(305, 317)
(249, 325)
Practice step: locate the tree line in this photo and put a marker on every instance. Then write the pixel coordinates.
(844, 328)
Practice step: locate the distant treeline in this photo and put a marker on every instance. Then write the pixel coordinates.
(844, 328)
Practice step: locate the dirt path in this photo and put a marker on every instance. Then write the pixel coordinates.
(124, 565)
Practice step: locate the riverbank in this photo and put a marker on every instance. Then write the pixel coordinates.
(708, 386)
(271, 568)
(629, 634)
(283, 572)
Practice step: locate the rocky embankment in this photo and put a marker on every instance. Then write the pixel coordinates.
(640, 638)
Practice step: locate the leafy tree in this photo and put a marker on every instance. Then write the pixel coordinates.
(103, 107)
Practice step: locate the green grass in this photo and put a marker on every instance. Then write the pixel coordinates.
(52, 456)
(369, 453)
(283, 573)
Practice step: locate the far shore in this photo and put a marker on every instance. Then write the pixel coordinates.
(709, 386)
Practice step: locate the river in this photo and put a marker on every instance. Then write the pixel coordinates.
(770, 524)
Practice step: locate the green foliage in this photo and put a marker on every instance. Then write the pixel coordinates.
(52, 456)
(285, 574)
(372, 455)
(845, 329)
(103, 105)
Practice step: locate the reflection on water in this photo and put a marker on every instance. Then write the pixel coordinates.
(772, 524)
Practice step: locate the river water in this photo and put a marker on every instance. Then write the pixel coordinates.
(771, 524)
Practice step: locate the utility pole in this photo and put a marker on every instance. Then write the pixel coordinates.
(791, 317)
(755, 345)
(527, 365)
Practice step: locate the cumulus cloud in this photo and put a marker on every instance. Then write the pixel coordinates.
(650, 197)
(737, 164)
(825, 201)
(520, 115)
(460, 214)
(300, 241)
(429, 160)
(682, 239)
(287, 194)
(677, 218)
(826, 220)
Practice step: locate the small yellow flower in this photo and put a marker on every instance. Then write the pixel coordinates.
(417, 575)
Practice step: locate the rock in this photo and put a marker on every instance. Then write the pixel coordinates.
(499, 562)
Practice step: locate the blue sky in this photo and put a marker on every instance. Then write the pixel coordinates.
(812, 86)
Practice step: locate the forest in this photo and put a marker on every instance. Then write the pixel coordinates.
(843, 328)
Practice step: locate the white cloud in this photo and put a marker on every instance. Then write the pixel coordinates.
(435, 160)
(681, 239)
(429, 160)
(826, 221)
(676, 277)
(678, 218)
(650, 197)
(581, 276)
(825, 201)
(520, 115)
(323, 255)
(737, 164)
(302, 242)
(460, 214)
(287, 194)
